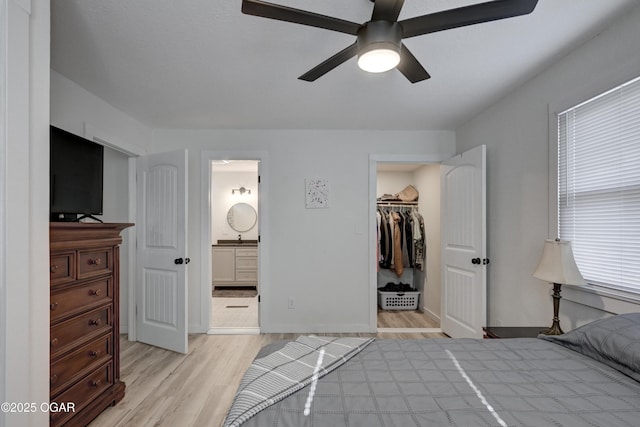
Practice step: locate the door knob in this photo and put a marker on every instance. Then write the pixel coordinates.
(178, 261)
(475, 261)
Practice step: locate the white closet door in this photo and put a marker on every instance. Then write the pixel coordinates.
(161, 295)
(463, 186)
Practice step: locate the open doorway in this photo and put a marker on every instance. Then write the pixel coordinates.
(234, 294)
(409, 298)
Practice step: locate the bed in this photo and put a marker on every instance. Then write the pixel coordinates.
(587, 377)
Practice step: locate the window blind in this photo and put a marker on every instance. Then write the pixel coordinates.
(599, 186)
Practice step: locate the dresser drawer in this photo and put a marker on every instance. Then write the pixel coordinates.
(249, 262)
(246, 252)
(76, 364)
(62, 268)
(79, 329)
(95, 262)
(79, 298)
(83, 392)
(246, 276)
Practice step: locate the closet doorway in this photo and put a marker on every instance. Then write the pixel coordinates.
(409, 298)
(234, 287)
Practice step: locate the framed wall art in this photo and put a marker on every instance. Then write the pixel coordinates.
(316, 193)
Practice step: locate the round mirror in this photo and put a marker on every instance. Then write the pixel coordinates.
(242, 217)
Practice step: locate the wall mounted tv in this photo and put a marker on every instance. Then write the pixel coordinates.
(76, 168)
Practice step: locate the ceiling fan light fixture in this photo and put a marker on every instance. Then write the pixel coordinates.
(378, 59)
(379, 45)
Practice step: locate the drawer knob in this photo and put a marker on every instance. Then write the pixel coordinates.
(96, 383)
(54, 342)
(53, 306)
(53, 379)
(95, 322)
(95, 261)
(54, 268)
(94, 353)
(95, 292)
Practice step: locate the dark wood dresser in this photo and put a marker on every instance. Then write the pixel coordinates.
(84, 319)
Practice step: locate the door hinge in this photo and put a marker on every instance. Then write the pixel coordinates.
(258, 238)
(258, 179)
(258, 298)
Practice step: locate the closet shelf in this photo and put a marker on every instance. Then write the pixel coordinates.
(395, 203)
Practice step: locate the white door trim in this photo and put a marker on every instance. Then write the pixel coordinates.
(374, 159)
(205, 230)
(4, 320)
(94, 133)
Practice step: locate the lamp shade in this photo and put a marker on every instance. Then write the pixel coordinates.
(557, 264)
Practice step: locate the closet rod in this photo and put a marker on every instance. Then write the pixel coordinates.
(397, 204)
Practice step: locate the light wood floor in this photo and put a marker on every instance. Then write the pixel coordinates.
(404, 319)
(170, 389)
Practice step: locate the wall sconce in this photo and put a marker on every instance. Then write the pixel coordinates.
(241, 190)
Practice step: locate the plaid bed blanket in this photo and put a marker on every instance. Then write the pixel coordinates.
(282, 373)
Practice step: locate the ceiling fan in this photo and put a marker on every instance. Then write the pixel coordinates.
(379, 44)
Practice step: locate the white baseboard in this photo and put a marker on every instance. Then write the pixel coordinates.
(431, 315)
(410, 330)
(233, 331)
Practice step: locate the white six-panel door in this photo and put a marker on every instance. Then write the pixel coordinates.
(161, 274)
(463, 189)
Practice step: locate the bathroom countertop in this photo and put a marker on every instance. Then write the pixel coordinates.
(236, 243)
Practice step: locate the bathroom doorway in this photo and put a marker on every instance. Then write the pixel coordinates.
(235, 228)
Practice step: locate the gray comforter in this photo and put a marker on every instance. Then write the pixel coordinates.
(464, 382)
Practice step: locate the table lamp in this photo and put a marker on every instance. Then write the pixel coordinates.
(557, 266)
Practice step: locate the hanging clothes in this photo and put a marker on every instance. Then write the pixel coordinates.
(419, 241)
(378, 256)
(398, 264)
(401, 238)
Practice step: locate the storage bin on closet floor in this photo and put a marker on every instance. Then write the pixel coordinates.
(398, 300)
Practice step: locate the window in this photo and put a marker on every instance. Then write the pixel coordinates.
(599, 186)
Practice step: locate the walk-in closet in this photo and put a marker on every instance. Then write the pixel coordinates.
(408, 245)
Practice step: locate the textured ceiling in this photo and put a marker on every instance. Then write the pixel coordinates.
(203, 64)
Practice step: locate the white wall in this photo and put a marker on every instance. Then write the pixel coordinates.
(116, 209)
(318, 257)
(25, 180)
(222, 200)
(392, 182)
(428, 177)
(78, 111)
(517, 131)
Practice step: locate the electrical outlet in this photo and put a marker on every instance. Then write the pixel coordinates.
(291, 304)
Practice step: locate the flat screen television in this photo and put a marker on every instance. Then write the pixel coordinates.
(76, 175)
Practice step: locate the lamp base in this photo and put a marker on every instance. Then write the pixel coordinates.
(555, 326)
(553, 330)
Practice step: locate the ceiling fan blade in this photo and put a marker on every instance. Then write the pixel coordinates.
(467, 15)
(410, 67)
(386, 10)
(297, 16)
(331, 63)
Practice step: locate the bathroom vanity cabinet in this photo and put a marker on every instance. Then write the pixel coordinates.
(234, 265)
